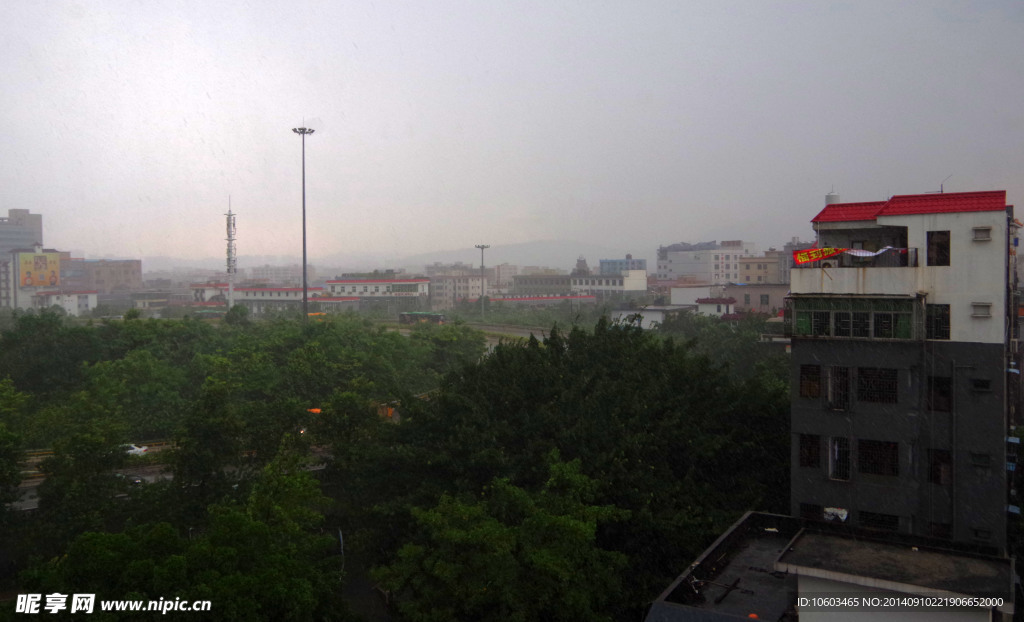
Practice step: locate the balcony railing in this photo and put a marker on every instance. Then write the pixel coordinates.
(897, 258)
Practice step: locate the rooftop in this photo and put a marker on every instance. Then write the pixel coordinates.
(905, 204)
(756, 565)
(899, 567)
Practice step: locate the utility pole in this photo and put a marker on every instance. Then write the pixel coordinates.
(483, 279)
(305, 283)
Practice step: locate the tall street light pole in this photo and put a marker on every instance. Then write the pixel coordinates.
(305, 283)
(483, 279)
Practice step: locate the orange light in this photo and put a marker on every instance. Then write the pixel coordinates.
(315, 411)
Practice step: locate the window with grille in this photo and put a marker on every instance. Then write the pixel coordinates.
(811, 511)
(877, 385)
(939, 396)
(810, 381)
(940, 466)
(878, 457)
(938, 248)
(838, 384)
(937, 322)
(856, 317)
(875, 520)
(839, 458)
(810, 450)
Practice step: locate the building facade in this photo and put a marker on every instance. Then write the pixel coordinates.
(707, 262)
(396, 294)
(901, 344)
(447, 290)
(103, 275)
(608, 267)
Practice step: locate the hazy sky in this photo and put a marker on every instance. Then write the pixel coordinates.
(443, 124)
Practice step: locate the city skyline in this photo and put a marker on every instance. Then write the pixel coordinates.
(447, 124)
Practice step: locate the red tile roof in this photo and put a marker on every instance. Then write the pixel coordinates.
(844, 212)
(904, 204)
(990, 201)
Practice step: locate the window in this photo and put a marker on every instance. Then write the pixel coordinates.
(981, 460)
(878, 457)
(838, 383)
(810, 450)
(981, 309)
(856, 317)
(764, 300)
(981, 534)
(810, 511)
(839, 458)
(940, 466)
(937, 321)
(810, 381)
(938, 248)
(982, 234)
(940, 394)
(883, 522)
(877, 385)
(746, 299)
(981, 385)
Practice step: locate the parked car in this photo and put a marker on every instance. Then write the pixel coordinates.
(135, 450)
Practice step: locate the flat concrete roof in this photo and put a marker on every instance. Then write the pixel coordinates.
(897, 567)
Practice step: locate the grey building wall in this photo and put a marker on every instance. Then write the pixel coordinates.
(969, 493)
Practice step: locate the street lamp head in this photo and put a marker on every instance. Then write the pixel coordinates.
(303, 130)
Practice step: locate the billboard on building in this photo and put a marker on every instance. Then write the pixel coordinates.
(39, 269)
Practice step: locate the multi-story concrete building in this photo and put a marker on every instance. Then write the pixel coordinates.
(758, 270)
(447, 290)
(905, 383)
(397, 294)
(757, 298)
(281, 275)
(21, 229)
(706, 262)
(103, 275)
(611, 267)
(75, 303)
(628, 283)
(902, 367)
(542, 284)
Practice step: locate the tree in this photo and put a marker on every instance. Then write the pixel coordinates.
(509, 555)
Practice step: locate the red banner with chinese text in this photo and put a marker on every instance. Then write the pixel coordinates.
(815, 254)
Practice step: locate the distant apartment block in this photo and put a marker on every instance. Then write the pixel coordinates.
(628, 283)
(447, 290)
(20, 229)
(758, 298)
(103, 275)
(706, 262)
(396, 294)
(610, 267)
(542, 285)
(281, 275)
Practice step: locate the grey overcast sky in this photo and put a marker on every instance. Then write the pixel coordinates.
(447, 123)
